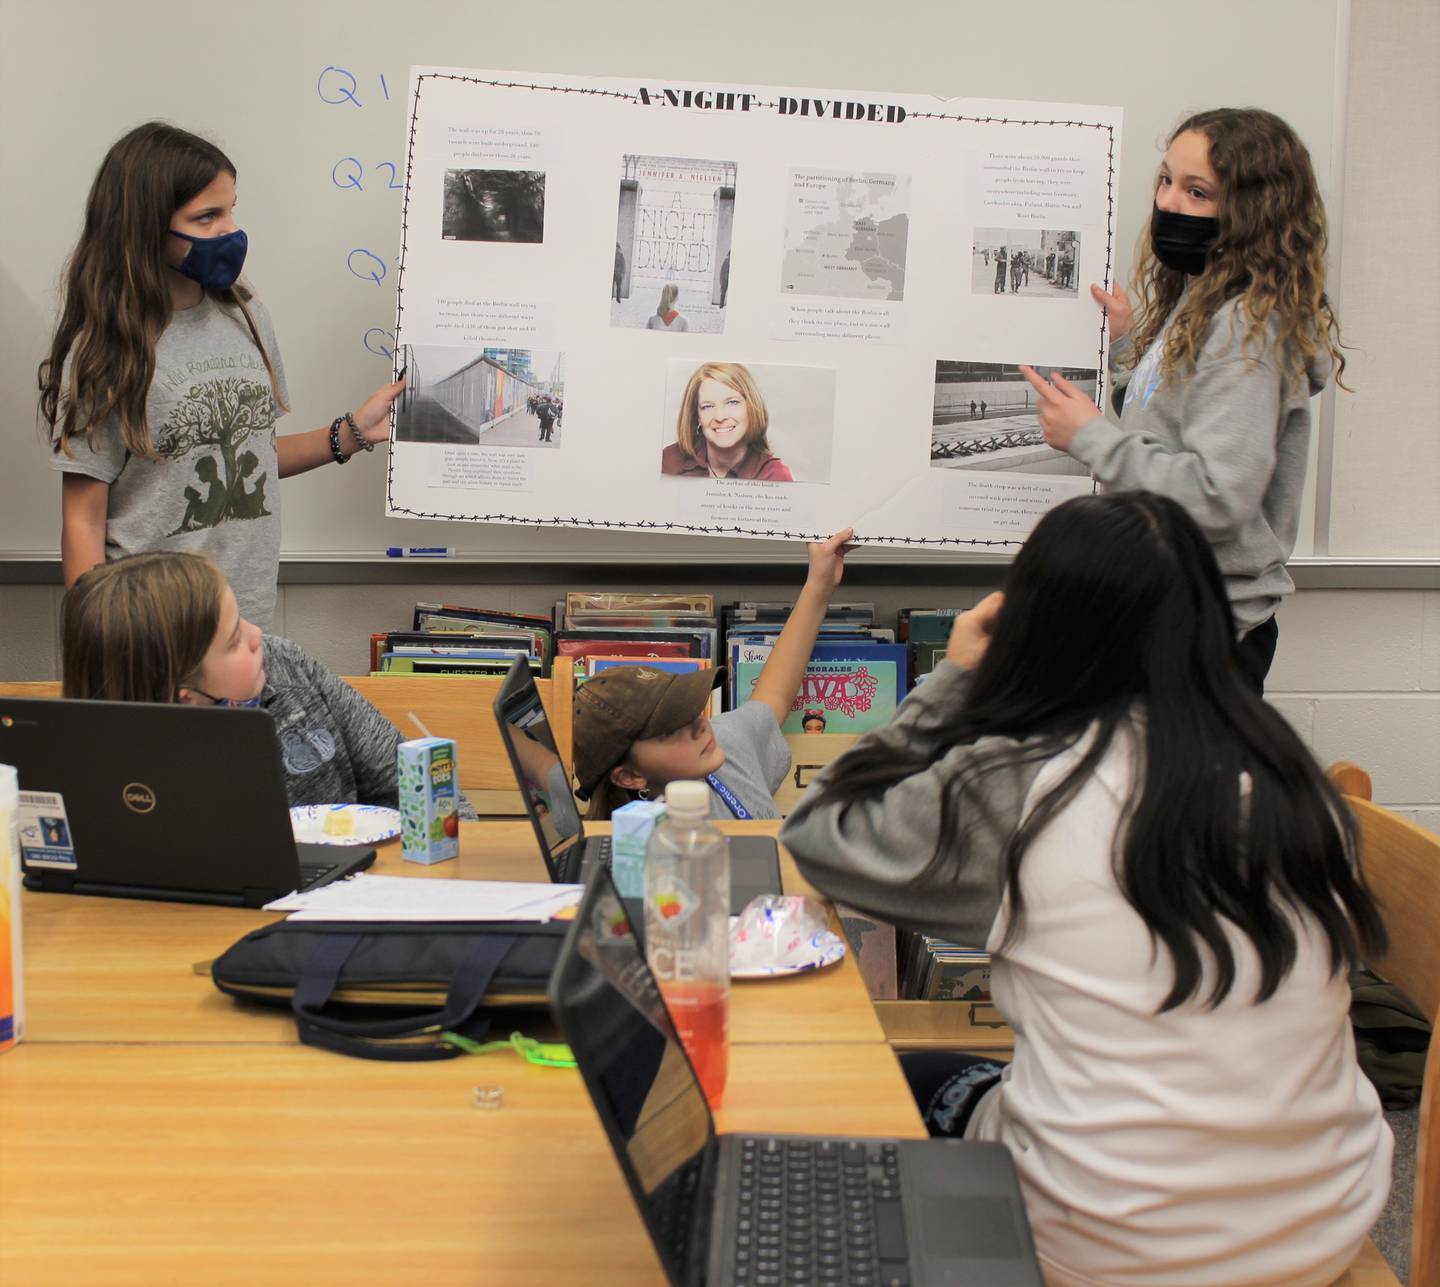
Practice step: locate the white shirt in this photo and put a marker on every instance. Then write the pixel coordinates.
(1226, 1147)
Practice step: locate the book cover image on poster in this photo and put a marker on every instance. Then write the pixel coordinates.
(494, 205)
(672, 244)
(1036, 263)
(732, 420)
(846, 235)
(986, 417)
(481, 397)
(846, 696)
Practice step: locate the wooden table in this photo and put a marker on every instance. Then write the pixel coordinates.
(154, 1131)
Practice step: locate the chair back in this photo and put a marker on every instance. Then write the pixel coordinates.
(1401, 862)
(462, 708)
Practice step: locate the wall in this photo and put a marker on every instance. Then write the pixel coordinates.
(1357, 672)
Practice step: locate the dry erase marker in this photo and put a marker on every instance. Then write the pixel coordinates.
(420, 552)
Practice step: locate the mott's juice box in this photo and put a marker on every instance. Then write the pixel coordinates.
(429, 792)
(12, 1001)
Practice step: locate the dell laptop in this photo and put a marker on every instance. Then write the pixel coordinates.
(545, 787)
(752, 1209)
(139, 800)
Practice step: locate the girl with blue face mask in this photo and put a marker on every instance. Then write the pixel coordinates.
(166, 628)
(164, 380)
(1214, 366)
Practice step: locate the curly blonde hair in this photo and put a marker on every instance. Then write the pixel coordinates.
(1270, 253)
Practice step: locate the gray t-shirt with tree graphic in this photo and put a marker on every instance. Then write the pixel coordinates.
(214, 490)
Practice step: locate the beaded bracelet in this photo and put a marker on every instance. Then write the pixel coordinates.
(360, 442)
(340, 457)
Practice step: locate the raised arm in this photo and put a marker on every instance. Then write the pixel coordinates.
(785, 667)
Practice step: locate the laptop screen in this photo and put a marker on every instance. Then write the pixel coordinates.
(645, 1092)
(542, 776)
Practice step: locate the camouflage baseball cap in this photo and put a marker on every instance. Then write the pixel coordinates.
(626, 704)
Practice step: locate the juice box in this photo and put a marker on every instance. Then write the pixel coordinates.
(429, 789)
(632, 824)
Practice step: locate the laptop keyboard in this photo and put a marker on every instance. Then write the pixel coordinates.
(819, 1211)
(311, 872)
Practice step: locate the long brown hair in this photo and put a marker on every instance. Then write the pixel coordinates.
(733, 376)
(1270, 253)
(138, 629)
(117, 288)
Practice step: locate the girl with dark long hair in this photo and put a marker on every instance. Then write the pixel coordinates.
(163, 381)
(1213, 372)
(1168, 888)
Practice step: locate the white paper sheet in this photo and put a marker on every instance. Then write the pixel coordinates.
(402, 898)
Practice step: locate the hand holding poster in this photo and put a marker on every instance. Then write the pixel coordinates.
(743, 311)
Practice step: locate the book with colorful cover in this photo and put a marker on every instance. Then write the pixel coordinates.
(756, 650)
(851, 694)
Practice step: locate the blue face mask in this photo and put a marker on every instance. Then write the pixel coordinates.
(214, 262)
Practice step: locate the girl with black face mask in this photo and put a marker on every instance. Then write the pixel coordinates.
(164, 381)
(1215, 364)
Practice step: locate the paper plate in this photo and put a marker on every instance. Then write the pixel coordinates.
(369, 823)
(822, 949)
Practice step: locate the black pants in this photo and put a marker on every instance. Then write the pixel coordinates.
(1255, 652)
(947, 1087)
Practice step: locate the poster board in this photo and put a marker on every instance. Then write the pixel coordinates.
(740, 310)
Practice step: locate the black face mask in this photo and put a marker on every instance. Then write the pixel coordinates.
(1181, 241)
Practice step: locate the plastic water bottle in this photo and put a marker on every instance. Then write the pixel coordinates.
(687, 929)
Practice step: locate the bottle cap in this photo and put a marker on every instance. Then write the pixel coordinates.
(687, 799)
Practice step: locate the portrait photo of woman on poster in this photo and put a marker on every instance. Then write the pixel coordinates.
(722, 428)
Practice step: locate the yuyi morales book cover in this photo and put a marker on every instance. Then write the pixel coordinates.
(847, 695)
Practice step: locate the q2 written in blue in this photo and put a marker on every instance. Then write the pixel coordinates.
(346, 173)
(380, 342)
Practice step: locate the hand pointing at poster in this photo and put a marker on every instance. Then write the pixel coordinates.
(1063, 408)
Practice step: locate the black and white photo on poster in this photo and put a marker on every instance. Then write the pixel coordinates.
(671, 271)
(485, 397)
(494, 205)
(734, 420)
(846, 235)
(986, 418)
(1031, 262)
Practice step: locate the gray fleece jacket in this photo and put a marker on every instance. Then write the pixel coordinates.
(335, 746)
(1228, 442)
(876, 855)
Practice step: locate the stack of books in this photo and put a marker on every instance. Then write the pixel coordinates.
(448, 639)
(932, 969)
(856, 676)
(677, 632)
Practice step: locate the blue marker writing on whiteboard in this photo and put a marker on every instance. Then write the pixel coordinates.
(420, 552)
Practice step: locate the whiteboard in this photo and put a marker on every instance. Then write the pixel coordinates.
(307, 99)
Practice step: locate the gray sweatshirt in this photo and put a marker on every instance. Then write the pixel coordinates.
(335, 746)
(876, 855)
(1228, 442)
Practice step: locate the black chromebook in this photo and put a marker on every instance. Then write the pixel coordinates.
(753, 1209)
(545, 787)
(178, 803)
